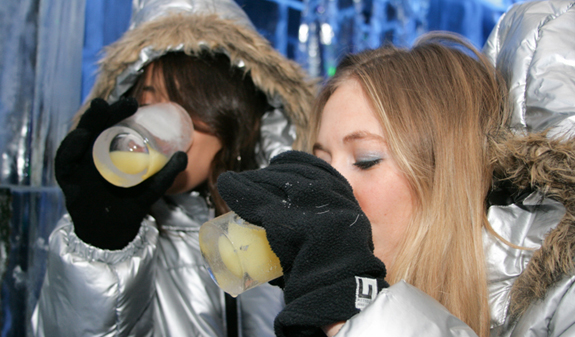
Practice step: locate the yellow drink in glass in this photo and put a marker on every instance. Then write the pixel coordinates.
(139, 146)
(238, 254)
(132, 163)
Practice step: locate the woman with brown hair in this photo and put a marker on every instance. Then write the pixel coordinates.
(126, 261)
(418, 183)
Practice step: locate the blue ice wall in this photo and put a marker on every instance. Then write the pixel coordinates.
(40, 75)
(105, 22)
(316, 33)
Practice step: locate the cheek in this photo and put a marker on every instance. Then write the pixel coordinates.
(197, 171)
(387, 202)
(200, 157)
(195, 174)
(372, 200)
(390, 207)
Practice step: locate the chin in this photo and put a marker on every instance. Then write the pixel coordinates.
(171, 191)
(178, 189)
(182, 184)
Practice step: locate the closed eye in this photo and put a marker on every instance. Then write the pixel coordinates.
(366, 164)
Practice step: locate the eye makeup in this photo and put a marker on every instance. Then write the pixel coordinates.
(366, 164)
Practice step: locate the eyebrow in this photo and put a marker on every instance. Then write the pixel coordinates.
(356, 135)
(362, 135)
(149, 88)
(318, 147)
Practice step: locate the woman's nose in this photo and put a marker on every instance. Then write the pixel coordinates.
(340, 168)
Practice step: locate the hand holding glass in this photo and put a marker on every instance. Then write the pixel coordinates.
(238, 254)
(139, 146)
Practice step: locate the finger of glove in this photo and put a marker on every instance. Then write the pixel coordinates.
(122, 109)
(163, 179)
(305, 162)
(244, 196)
(249, 193)
(71, 152)
(96, 117)
(101, 115)
(278, 282)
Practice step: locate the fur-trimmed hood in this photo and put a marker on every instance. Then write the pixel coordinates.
(532, 47)
(284, 82)
(536, 162)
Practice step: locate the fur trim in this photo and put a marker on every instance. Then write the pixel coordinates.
(547, 165)
(271, 72)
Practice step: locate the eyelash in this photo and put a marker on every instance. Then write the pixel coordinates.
(366, 164)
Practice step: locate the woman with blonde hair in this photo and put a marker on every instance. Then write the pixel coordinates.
(418, 183)
(434, 105)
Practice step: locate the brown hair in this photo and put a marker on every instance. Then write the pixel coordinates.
(221, 96)
(437, 102)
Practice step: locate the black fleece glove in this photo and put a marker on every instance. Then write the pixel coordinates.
(320, 234)
(105, 215)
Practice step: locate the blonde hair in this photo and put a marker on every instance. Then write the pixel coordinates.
(437, 102)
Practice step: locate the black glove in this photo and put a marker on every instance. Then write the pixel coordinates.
(105, 215)
(504, 193)
(320, 234)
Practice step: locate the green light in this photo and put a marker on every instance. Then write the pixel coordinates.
(330, 71)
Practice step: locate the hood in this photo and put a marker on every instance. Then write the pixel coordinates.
(218, 26)
(547, 165)
(532, 47)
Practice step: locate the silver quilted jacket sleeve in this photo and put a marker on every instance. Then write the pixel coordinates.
(96, 291)
(403, 310)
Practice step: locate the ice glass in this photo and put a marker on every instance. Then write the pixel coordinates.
(139, 146)
(238, 254)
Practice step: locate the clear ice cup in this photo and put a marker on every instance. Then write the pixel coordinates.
(139, 146)
(238, 254)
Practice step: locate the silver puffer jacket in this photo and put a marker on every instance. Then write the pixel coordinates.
(532, 292)
(158, 285)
